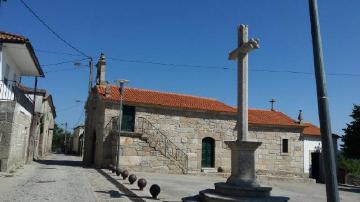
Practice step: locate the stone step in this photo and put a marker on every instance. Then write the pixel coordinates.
(284, 179)
(208, 170)
(258, 177)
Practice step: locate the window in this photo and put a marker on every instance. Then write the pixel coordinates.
(128, 118)
(285, 146)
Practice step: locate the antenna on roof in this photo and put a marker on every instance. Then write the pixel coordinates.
(272, 101)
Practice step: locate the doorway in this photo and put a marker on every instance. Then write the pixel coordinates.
(93, 152)
(208, 153)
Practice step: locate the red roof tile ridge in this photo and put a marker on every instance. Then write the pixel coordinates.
(309, 124)
(169, 93)
(256, 109)
(179, 94)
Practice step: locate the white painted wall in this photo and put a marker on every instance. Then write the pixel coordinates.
(310, 145)
(13, 75)
(14, 70)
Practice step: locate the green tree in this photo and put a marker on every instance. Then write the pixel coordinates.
(351, 138)
(58, 139)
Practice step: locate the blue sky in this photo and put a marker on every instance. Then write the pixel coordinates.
(196, 33)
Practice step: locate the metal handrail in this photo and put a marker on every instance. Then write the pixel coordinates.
(157, 139)
(9, 90)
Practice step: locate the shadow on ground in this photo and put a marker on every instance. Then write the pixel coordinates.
(112, 193)
(127, 192)
(60, 163)
(349, 188)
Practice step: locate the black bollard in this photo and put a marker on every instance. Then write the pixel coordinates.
(125, 174)
(132, 178)
(155, 190)
(118, 171)
(141, 183)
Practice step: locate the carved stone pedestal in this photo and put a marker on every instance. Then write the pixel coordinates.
(242, 184)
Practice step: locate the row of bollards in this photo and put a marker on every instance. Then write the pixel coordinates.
(154, 189)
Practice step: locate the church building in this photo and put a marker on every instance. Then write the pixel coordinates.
(176, 133)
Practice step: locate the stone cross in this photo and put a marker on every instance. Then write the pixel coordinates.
(242, 184)
(272, 101)
(241, 55)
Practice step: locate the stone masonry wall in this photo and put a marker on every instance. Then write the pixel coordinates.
(14, 135)
(137, 155)
(269, 157)
(187, 129)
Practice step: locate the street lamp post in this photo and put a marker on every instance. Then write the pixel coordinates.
(329, 160)
(122, 83)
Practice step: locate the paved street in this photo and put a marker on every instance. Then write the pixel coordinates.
(61, 178)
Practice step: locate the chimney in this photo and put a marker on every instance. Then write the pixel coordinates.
(101, 67)
(301, 117)
(107, 90)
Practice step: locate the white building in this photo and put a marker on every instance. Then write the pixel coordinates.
(77, 140)
(17, 59)
(312, 143)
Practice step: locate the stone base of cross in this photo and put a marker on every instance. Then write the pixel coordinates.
(242, 184)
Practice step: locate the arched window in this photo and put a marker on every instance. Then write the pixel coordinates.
(208, 153)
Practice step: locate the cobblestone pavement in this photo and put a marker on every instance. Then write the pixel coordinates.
(61, 178)
(175, 187)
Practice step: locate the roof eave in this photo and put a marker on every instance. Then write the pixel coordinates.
(35, 59)
(167, 107)
(277, 125)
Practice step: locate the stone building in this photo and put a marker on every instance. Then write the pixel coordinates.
(17, 59)
(176, 133)
(77, 140)
(46, 113)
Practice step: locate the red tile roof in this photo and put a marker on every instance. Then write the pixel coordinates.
(311, 130)
(172, 100)
(12, 38)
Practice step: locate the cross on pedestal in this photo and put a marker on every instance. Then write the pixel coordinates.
(242, 184)
(243, 151)
(241, 55)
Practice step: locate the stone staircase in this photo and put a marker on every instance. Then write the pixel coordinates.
(158, 147)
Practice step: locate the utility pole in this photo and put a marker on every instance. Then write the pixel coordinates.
(332, 193)
(121, 82)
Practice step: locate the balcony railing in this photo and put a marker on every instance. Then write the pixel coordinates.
(10, 91)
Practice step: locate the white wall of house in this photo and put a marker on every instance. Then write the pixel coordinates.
(14, 71)
(9, 71)
(311, 144)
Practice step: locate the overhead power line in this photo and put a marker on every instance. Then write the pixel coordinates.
(56, 52)
(63, 62)
(209, 67)
(225, 68)
(166, 64)
(51, 30)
